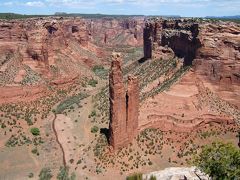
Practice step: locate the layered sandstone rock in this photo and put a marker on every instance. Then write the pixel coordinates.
(181, 37)
(124, 106)
(211, 47)
(41, 43)
(117, 32)
(132, 106)
(118, 124)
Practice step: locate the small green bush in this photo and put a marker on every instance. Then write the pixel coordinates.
(30, 175)
(137, 176)
(94, 129)
(64, 174)
(153, 177)
(92, 82)
(45, 174)
(34, 151)
(35, 131)
(93, 114)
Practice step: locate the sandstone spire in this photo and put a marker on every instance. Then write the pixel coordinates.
(132, 101)
(147, 39)
(118, 126)
(123, 106)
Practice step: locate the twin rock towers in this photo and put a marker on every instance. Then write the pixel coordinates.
(124, 105)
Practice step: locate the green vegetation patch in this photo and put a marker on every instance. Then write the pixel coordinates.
(64, 174)
(93, 114)
(35, 131)
(94, 129)
(92, 82)
(69, 102)
(219, 161)
(137, 176)
(45, 174)
(100, 71)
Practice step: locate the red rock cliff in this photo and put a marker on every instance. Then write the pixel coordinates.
(211, 47)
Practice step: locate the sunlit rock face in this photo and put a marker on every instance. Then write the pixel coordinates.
(212, 48)
(124, 105)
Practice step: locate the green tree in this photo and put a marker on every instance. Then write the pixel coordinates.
(220, 161)
(45, 174)
(35, 131)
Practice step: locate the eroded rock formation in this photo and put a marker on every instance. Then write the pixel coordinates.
(123, 106)
(118, 123)
(211, 47)
(117, 32)
(40, 44)
(180, 36)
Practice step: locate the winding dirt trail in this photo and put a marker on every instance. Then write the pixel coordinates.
(86, 112)
(60, 145)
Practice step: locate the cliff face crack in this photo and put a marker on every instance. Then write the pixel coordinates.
(123, 106)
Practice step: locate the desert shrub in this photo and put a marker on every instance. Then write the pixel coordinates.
(94, 129)
(93, 114)
(153, 177)
(35, 131)
(30, 175)
(79, 161)
(34, 151)
(64, 174)
(45, 174)
(137, 176)
(219, 161)
(3, 126)
(92, 82)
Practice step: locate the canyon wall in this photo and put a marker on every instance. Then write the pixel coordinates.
(181, 37)
(212, 48)
(57, 49)
(117, 32)
(124, 106)
(40, 44)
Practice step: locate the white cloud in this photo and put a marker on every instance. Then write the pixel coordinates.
(8, 3)
(35, 4)
(71, 3)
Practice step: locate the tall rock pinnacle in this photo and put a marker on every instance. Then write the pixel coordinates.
(123, 105)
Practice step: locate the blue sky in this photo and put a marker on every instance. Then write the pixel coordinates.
(193, 8)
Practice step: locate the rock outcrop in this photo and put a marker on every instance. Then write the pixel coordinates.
(178, 173)
(123, 106)
(147, 38)
(211, 47)
(41, 43)
(180, 36)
